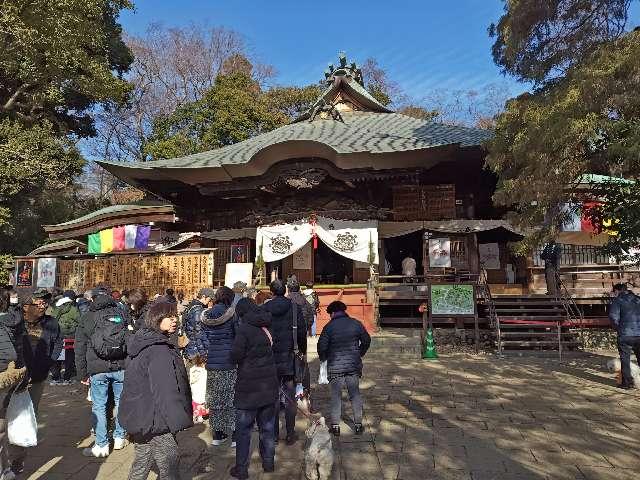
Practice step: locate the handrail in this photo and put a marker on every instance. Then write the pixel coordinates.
(574, 313)
(590, 269)
(494, 320)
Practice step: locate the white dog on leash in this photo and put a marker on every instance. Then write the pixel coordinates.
(614, 366)
(318, 458)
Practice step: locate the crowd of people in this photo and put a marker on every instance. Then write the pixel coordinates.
(155, 366)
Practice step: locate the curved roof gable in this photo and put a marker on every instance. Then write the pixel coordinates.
(345, 120)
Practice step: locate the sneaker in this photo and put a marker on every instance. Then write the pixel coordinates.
(233, 444)
(119, 443)
(7, 475)
(54, 383)
(96, 451)
(335, 430)
(235, 473)
(358, 429)
(626, 387)
(216, 442)
(17, 467)
(291, 439)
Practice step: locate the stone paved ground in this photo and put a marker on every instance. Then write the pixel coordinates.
(462, 417)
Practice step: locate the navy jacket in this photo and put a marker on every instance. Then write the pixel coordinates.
(282, 332)
(343, 343)
(156, 397)
(40, 359)
(192, 327)
(219, 329)
(624, 313)
(257, 383)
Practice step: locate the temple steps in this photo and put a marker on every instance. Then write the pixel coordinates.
(532, 324)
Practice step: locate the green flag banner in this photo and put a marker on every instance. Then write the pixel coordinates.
(94, 243)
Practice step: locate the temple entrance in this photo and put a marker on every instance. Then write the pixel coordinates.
(331, 268)
(398, 248)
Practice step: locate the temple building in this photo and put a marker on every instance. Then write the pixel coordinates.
(346, 184)
(341, 197)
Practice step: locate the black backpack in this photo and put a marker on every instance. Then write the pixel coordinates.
(109, 337)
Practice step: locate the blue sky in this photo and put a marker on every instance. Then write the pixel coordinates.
(423, 44)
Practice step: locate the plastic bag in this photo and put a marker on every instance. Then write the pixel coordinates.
(22, 426)
(323, 378)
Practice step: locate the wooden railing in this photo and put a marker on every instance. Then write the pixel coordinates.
(494, 320)
(588, 281)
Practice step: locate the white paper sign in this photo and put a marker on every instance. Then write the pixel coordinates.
(489, 255)
(302, 258)
(46, 273)
(238, 272)
(439, 252)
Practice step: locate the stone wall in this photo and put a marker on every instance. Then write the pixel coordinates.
(598, 338)
(462, 340)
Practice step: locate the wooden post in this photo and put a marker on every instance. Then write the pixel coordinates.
(473, 255)
(475, 315)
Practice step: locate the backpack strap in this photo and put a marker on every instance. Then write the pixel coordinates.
(268, 334)
(294, 309)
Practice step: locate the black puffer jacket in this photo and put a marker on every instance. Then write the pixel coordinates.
(282, 332)
(156, 398)
(10, 374)
(87, 361)
(257, 383)
(41, 353)
(7, 348)
(343, 343)
(138, 316)
(13, 321)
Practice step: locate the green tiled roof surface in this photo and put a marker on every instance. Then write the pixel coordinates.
(360, 132)
(57, 246)
(114, 209)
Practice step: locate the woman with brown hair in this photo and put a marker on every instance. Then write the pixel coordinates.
(138, 305)
(156, 400)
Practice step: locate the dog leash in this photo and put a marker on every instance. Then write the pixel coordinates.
(284, 394)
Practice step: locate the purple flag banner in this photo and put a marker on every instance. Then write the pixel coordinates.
(142, 237)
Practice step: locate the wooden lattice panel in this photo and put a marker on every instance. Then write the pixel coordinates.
(424, 202)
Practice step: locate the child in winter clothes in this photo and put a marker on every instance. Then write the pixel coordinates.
(198, 381)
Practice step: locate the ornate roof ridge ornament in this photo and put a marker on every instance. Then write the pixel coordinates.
(344, 69)
(322, 106)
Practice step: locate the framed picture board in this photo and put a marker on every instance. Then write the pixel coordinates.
(24, 273)
(239, 253)
(457, 300)
(452, 300)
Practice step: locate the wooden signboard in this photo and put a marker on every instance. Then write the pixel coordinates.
(182, 272)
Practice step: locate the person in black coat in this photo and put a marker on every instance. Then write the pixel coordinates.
(13, 373)
(342, 344)
(138, 307)
(102, 374)
(256, 389)
(41, 347)
(282, 331)
(156, 399)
